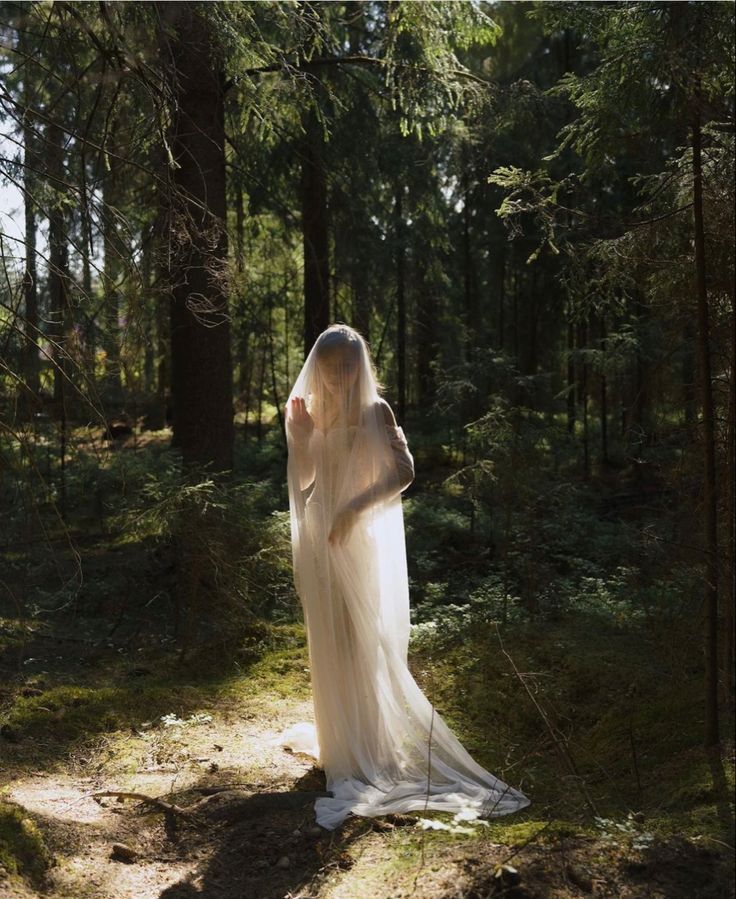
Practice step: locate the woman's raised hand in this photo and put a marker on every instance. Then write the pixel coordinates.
(298, 419)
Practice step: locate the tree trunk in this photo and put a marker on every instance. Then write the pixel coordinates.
(90, 324)
(426, 339)
(30, 276)
(58, 269)
(604, 396)
(709, 459)
(571, 409)
(471, 313)
(730, 605)
(584, 398)
(113, 392)
(400, 304)
(361, 304)
(315, 232)
(201, 364)
(239, 229)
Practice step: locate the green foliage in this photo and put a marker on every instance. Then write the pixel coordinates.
(232, 560)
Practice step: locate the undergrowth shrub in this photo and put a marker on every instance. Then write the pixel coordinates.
(230, 556)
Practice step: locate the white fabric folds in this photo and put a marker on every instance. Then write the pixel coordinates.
(383, 747)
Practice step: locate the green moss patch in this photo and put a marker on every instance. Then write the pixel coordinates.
(23, 852)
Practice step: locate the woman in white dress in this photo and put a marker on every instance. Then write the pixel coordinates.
(383, 747)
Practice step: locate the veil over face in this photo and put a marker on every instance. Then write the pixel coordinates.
(382, 745)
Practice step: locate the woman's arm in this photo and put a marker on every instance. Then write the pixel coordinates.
(299, 429)
(392, 482)
(401, 467)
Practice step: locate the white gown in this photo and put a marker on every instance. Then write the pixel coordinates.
(383, 747)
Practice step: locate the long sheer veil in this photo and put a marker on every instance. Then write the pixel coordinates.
(382, 745)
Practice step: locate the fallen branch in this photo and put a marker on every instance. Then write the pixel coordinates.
(166, 807)
(221, 788)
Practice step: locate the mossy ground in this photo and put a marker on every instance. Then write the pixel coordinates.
(23, 851)
(632, 732)
(594, 713)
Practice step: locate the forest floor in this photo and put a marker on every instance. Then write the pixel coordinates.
(603, 732)
(244, 820)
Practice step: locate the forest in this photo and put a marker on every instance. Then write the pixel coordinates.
(527, 210)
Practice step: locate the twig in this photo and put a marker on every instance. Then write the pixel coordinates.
(221, 788)
(167, 807)
(560, 745)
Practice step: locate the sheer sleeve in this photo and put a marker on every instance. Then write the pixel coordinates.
(301, 457)
(403, 459)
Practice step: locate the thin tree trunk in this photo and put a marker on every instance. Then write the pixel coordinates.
(90, 329)
(471, 322)
(315, 232)
(571, 408)
(400, 303)
(58, 269)
(361, 306)
(113, 253)
(239, 229)
(59, 302)
(30, 276)
(261, 382)
(149, 311)
(730, 605)
(274, 383)
(584, 399)
(426, 339)
(709, 460)
(604, 397)
(515, 316)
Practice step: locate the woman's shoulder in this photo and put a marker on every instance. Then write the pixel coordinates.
(384, 412)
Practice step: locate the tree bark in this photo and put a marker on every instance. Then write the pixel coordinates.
(604, 396)
(730, 604)
(571, 408)
(426, 340)
(30, 275)
(361, 304)
(201, 363)
(315, 232)
(583, 339)
(709, 460)
(114, 253)
(471, 312)
(400, 303)
(58, 269)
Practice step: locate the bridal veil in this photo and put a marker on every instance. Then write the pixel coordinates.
(382, 745)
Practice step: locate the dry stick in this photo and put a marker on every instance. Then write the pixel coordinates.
(560, 745)
(167, 807)
(426, 801)
(222, 788)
